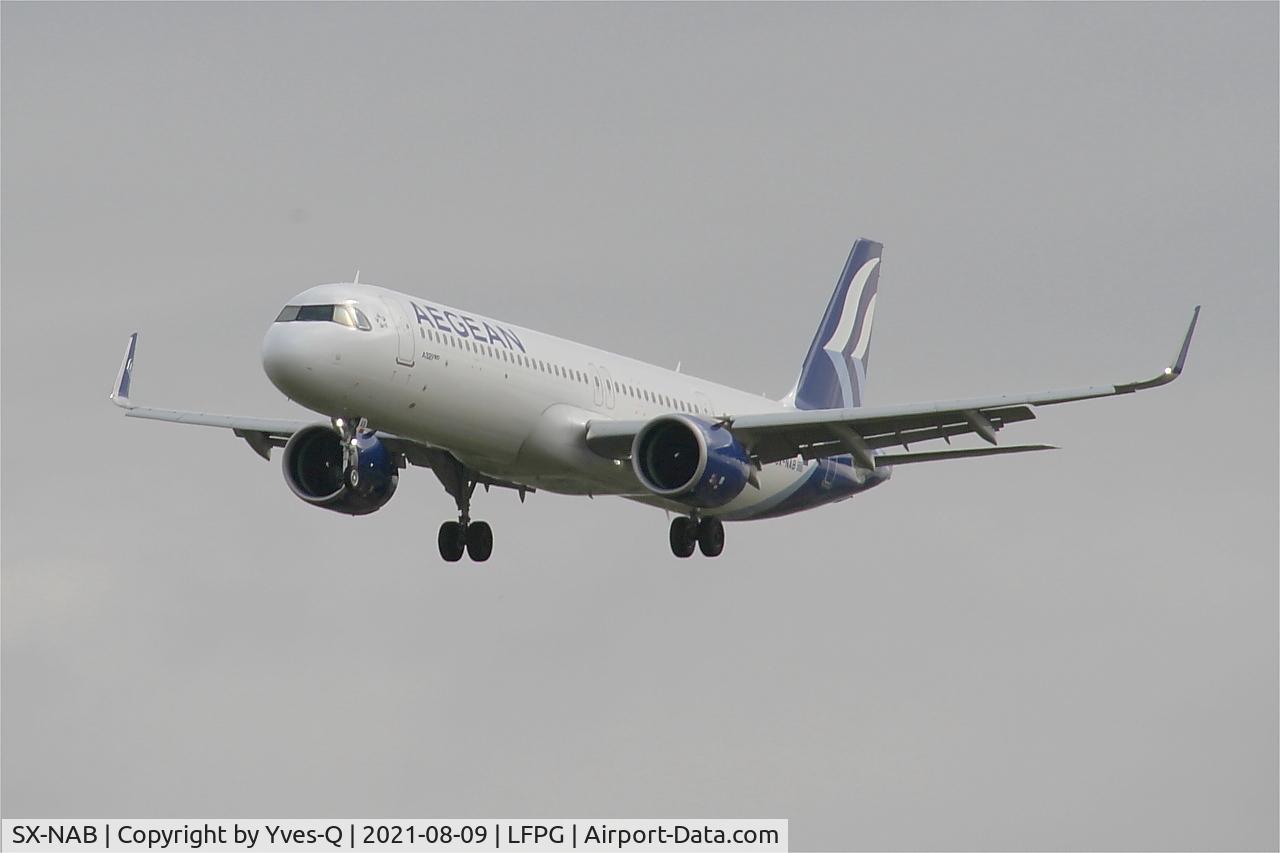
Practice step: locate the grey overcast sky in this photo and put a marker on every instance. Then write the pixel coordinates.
(1075, 650)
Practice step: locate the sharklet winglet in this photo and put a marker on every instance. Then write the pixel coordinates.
(124, 376)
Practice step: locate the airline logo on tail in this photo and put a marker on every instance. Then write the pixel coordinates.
(835, 370)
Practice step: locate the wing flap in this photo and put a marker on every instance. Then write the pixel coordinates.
(938, 455)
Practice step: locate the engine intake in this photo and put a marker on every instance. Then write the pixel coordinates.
(314, 468)
(691, 461)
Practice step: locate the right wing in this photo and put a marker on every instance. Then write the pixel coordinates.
(262, 434)
(861, 431)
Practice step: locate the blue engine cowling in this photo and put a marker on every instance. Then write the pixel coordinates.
(690, 461)
(314, 470)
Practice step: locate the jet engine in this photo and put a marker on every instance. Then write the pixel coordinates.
(315, 468)
(691, 461)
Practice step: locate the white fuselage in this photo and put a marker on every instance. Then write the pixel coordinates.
(512, 402)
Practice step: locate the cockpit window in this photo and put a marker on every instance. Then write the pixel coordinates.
(362, 322)
(316, 312)
(345, 314)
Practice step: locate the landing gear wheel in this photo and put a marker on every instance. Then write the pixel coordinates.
(453, 541)
(479, 541)
(684, 536)
(353, 477)
(711, 537)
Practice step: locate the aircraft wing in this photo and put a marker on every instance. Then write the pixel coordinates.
(861, 431)
(262, 434)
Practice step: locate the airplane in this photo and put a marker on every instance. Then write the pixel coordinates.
(402, 380)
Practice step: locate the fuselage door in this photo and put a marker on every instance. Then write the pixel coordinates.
(405, 345)
(610, 393)
(597, 384)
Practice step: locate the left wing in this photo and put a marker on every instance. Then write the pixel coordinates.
(861, 431)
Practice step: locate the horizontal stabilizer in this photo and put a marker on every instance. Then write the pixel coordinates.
(937, 455)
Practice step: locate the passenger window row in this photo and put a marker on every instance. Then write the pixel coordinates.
(639, 393)
(573, 375)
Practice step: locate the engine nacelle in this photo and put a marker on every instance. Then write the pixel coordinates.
(314, 469)
(690, 460)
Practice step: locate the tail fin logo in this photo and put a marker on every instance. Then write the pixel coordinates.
(842, 335)
(835, 370)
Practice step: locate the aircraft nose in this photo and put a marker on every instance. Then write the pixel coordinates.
(285, 359)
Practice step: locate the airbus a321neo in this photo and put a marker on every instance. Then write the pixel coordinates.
(402, 380)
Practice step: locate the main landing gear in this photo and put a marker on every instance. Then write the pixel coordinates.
(475, 538)
(707, 534)
(464, 535)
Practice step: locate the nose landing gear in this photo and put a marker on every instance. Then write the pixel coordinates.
(688, 532)
(348, 428)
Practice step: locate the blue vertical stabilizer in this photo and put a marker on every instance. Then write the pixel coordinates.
(835, 369)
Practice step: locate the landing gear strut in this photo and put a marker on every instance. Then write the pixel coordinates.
(464, 535)
(688, 532)
(347, 428)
